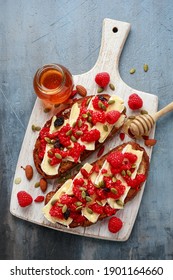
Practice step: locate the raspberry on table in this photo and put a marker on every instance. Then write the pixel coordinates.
(114, 224)
(24, 198)
(102, 79)
(135, 102)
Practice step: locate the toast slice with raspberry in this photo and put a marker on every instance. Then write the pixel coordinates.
(99, 189)
(75, 132)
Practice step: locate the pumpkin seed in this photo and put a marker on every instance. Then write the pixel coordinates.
(73, 125)
(133, 165)
(79, 133)
(132, 70)
(37, 128)
(83, 194)
(129, 173)
(100, 89)
(82, 189)
(47, 140)
(103, 107)
(99, 203)
(119, 202)
(114, 179)
(88, 101)
(84, 116)
(113, 190)
(90, 119)
(60, 204)
(110, 102)
(54, 201)
(144, 112)
(89, 210)
(78, 203)
(73, 138)
(79, 208)
(64, 208)
(17, 181)
(112, 87)
(105, 127)
(131, 117)
(145, 67)
(101, 184)
(69, 132)
(33, 127)
(57, 155)
(88, 198)
(123, 173)
(79, 123)
(52, 141)
(100, 104)
(37, 184)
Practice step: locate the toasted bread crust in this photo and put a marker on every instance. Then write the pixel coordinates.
(65, 166)
(144, 165)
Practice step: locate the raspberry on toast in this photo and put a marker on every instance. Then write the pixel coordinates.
(75, 132)
(99, 189)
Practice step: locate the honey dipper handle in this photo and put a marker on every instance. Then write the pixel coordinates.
(163, 111)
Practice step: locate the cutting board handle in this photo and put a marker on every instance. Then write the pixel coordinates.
(114, 34)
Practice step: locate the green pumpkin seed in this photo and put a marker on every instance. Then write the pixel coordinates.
(79, 123)
(57, 155)
(134, 165)
(129, 173)
(112, 87)
(114, 179)
(78, 203)
(88, 198)
(73, 125)
(84, 116)
(83, 194)
(110, 102)
(73, 139)
(53, 201)
(101, 184)
(79, 208)
(123, 173)
(37, 128)
(64, 208)
(113, 190)
(37, 184)
(88, 101)
(89, 210)
(105, 127)
(99, 203)
(33, 127)
(144, 112)
(132, 70)
(145, 67)
(68, 133)
(52, 141)
(103, 107)
(17, 181)
(100, 104)
(119, 202)
(79, 133)
(82, 189)
(100, 89)
(47, 140)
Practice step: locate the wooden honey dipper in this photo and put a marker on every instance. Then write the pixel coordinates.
(141, 125)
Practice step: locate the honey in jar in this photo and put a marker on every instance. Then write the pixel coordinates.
(53, 83)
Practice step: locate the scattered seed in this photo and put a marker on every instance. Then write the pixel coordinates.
(88, 198)
(145, 67)
(100, 89)
(47, 140)
(79, 208)
(79, 133)
(113, 190)
(37, 184)
(132, 70)
(54, 201)
(105, 127)
(79, 123)
(103, 107)
(133, 165)
(110, 102)
(89, 210)
(119, 202)
(129, 173)
(83, 194)
(78, 203)
(114, 179)
(82, 189)
(88, 101)
(17, 181)
(144, 112)
(84, 116)
(99, 203)
(60, 204)
(68, 133)
(123, 173)
(101, 184)
(112, 87)
(64, 208)
(37, 128)
(57, 155)
(73, 138)
(33, 127)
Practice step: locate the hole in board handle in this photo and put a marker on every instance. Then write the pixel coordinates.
(115, 29)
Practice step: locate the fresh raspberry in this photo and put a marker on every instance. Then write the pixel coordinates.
(56, 211)
(91, 136)
(115, 159)
(131, 157)
(135, 102)
(102, 79)
(39, 198)
(98, 117)
(114, 224)
(98, 101)
(99, 209)
(24, 198)
(66, 199)
(109, 211)
(112, 116)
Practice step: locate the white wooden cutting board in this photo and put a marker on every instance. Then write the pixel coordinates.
(114, 35)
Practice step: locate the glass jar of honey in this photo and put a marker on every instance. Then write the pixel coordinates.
(53, 83)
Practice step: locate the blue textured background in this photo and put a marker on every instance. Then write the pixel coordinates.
(33, 33)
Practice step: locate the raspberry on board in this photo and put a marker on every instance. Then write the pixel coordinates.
(24, 198)
(114, 224)
(102, 79)
(135, 102)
